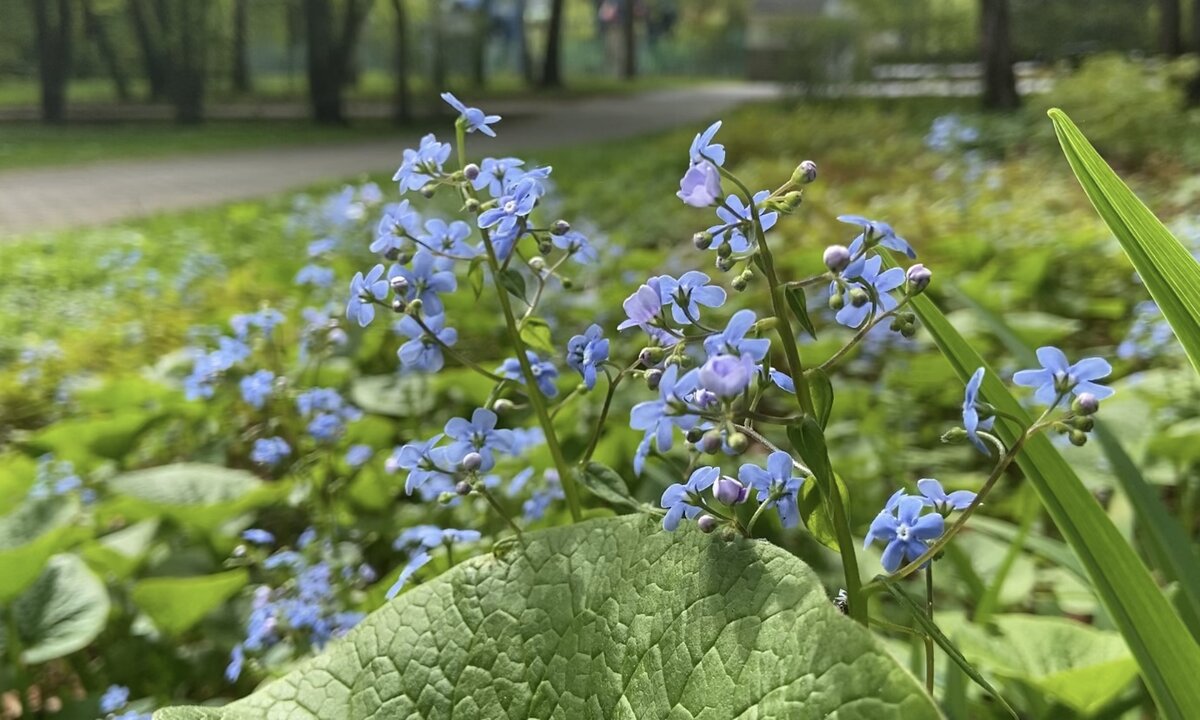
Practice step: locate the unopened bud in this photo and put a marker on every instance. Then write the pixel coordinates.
(398, 305)
(918, 278)
(766, 324)
(955, 435)
(429, 190)
(1078, 438)
(560, 227)
(738, 442)
(471, 171)
(1085, 404)
(707, 524)
(837, 301)
(724, 250)
(792, 200)
(1084, 423)
(462, 487)
(537, 264)
(859, 297)
(404, 258)
(446, 498)
(545, 247)
(693, 436)
(651, 356)
(471, 461)
(414, 307)
(728, 491)
(837, 257)
(471, 205)
(738, 283)
(399, 284)
(702, 240)
(710, 442)
(502, 405)
(653, 378)
(725, 264)
(804, 173)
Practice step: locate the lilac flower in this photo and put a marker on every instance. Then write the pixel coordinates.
(736, 217)
(509, 209)
(478, 435)
(270, 451)
(970, 413)
(687, 294)
(315, 275)
(935, 496)
(425, 281)
(642, 309)
(880, 233)
(733, 341)
(494, 173)
(363, 292)
(700, 186)
(473, 118)
(905, 531)
(358, 455)
(448, 239)
(398, 225)
(658, 418)
(577, 246)
(114, 698)
(258, 536)
(543, 372)
(703, 147)
(883, 283)
(776, 485)
(586, 352)
(420, 166)
(1058, 377)
(422, 353)
(683, 500)
(727, 376)
(257, 387)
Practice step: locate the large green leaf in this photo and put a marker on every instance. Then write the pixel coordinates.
(63, 611)
(1160, 641)
(86, 441)
(194, 494)
(118, 554)
(606, 619)
(402, 396)
(29, 536)
(175, 604)
(1166, 267)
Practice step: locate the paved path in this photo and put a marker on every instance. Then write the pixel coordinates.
(58, 198)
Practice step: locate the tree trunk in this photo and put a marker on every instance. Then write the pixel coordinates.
(1170, 41)
(98, 33)
(330, 51)
(52, 19)
(1193, 87)
(147, 28)
(552, 64)
(629, 40)
(438, 62)
(239, 68)
(401, 99)
(189, 24)
(999, 81)
(483, 20)
(523, 45)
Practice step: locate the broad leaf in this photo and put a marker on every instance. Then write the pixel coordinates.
(63, 611)
(119, 554)
(822, 394)
(606, 484)
(513, 282)
(536, 334)
(1160, 641)
(86, 441)
(29, 536)
(797, 301)
(176, 604)
(194, 494)
(603, 619)
(1166, 267)
(402, 396)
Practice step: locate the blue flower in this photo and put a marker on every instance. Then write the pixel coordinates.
(114, 698)
(879, 233)
(1058, 377)
(266, 320)
(358, 455)
(315, 275)
(448, 239)
(576, 245)
(683, 500)
(257, 387)
(325, 427)
(733, 341)
(936, 497)
(657, 418)
(422, 353)
(543, 372)
(473, 118)
(700, 186)
(425, 281)
(258, 536)
(478, 435)
(586, 352)
(422, 165)
(270, 451)
(854, 316)
(364, 291)
(970, 413)
(509, 209)
(320, 247)
(777, 485)
(687, 294)
(398, 225)
(905, 531)
(415, 563)
(424, 462)
(703, 147)
(494, 174)
(642, 309)
(736, 217)
(237, 658)
(727, 376)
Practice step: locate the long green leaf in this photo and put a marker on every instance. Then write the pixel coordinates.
(1168, 270)
(1166, 653)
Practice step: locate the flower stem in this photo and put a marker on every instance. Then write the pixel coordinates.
(762, 506)
(929, 639)
(491, 499)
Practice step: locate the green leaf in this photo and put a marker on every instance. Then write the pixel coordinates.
(797, 301)
(1165, 266)
(536, 334)
(816, 494)
(604, 482)
(63, 611)
(1156, 635)
(475, 275)
(603, 619)
(193, 494)
(933, 631)
(29, 536)
(86, 441)
(815, 515)
(1072, 663)
(822, 394)
(119, 554)
(401, 396)
(513, 282)
(176, 604)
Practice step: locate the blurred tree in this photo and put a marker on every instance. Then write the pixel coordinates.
(999, 81)
(97, 32)
(331, 44)
(148, 18)
(437, 35)
(552, 63)
(52, 25)
(188, 29)
(1193, 86)
(401, 100)
(1170, 41)
(629, 39)
(482, 17)
(239, 67)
